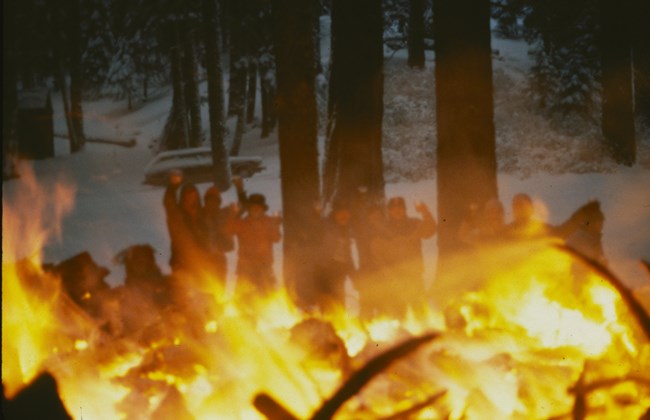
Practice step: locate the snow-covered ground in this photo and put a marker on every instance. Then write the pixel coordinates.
(561, 170)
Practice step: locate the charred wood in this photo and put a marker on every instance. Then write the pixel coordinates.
(271, 408)
(632, 303)
(405, 414)
(38, 400)
(371, 369)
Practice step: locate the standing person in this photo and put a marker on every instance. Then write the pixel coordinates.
(336, 263)
(368, 230)
(185, 225)
(587, 238)
(219, 240)
(524, 224)
(485, 227)
(401, 253)
(256, 233)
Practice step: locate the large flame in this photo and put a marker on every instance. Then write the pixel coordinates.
(517, 341)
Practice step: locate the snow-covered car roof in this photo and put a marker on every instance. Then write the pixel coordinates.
(196, 164)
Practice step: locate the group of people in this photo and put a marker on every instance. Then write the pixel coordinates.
(388, 269)
(369, 244)
(202, 233)
(582, 231)
(376, 246)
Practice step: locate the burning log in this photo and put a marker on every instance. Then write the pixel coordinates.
(579, 411)
(582, 389)
(38, 400)
(405, 414)
(626, 294)
(371, 369)
(275, 411)
(271, 408)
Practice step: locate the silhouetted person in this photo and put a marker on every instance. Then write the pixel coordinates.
(484, 227)
(336, 263)
(219, 240)
(256, 233)
(370, 227)
(187, 231)
(399, 248)
(524, 224)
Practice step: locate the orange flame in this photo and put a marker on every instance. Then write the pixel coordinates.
(519, 330)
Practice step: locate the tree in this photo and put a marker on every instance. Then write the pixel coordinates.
(221, 168)
(183, 126)
(641, 59)
(297, 133)
(176, 132)
(75, 43)
(9, 80)
(61, 34)
(266, 67)
(416, 34)
(617, 95)
(506, 13)
(566, 74)
(191, 84)
(465, 125)
(239, 67)
(354, 156)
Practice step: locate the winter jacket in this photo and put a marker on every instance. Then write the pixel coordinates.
(255, 238)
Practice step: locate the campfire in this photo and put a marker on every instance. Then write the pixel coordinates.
(526, 330)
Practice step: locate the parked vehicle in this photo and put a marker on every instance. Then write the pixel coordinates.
(196, 164)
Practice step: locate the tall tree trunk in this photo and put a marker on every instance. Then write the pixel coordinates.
(252, 91)
(238, 61)
(191, 86)
(240, 127)
(10, 94)
(76, 74)
(316, 35)
(416, 34)
(641, 59)
(60, 76)
(297, 133)
(358, 78)
(223, 9)
(267, 92)
(465, 124)
(176, 133)
(220, 165)
(618, 105)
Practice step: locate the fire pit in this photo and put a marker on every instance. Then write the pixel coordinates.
(521, 335)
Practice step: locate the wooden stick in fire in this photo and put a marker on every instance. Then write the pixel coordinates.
(628, 297)
(273, 410)
(405, 414)
(371, 369)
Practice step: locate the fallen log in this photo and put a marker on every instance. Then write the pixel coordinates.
(115, 142)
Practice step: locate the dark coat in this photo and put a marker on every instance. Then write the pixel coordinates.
(187, 234)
